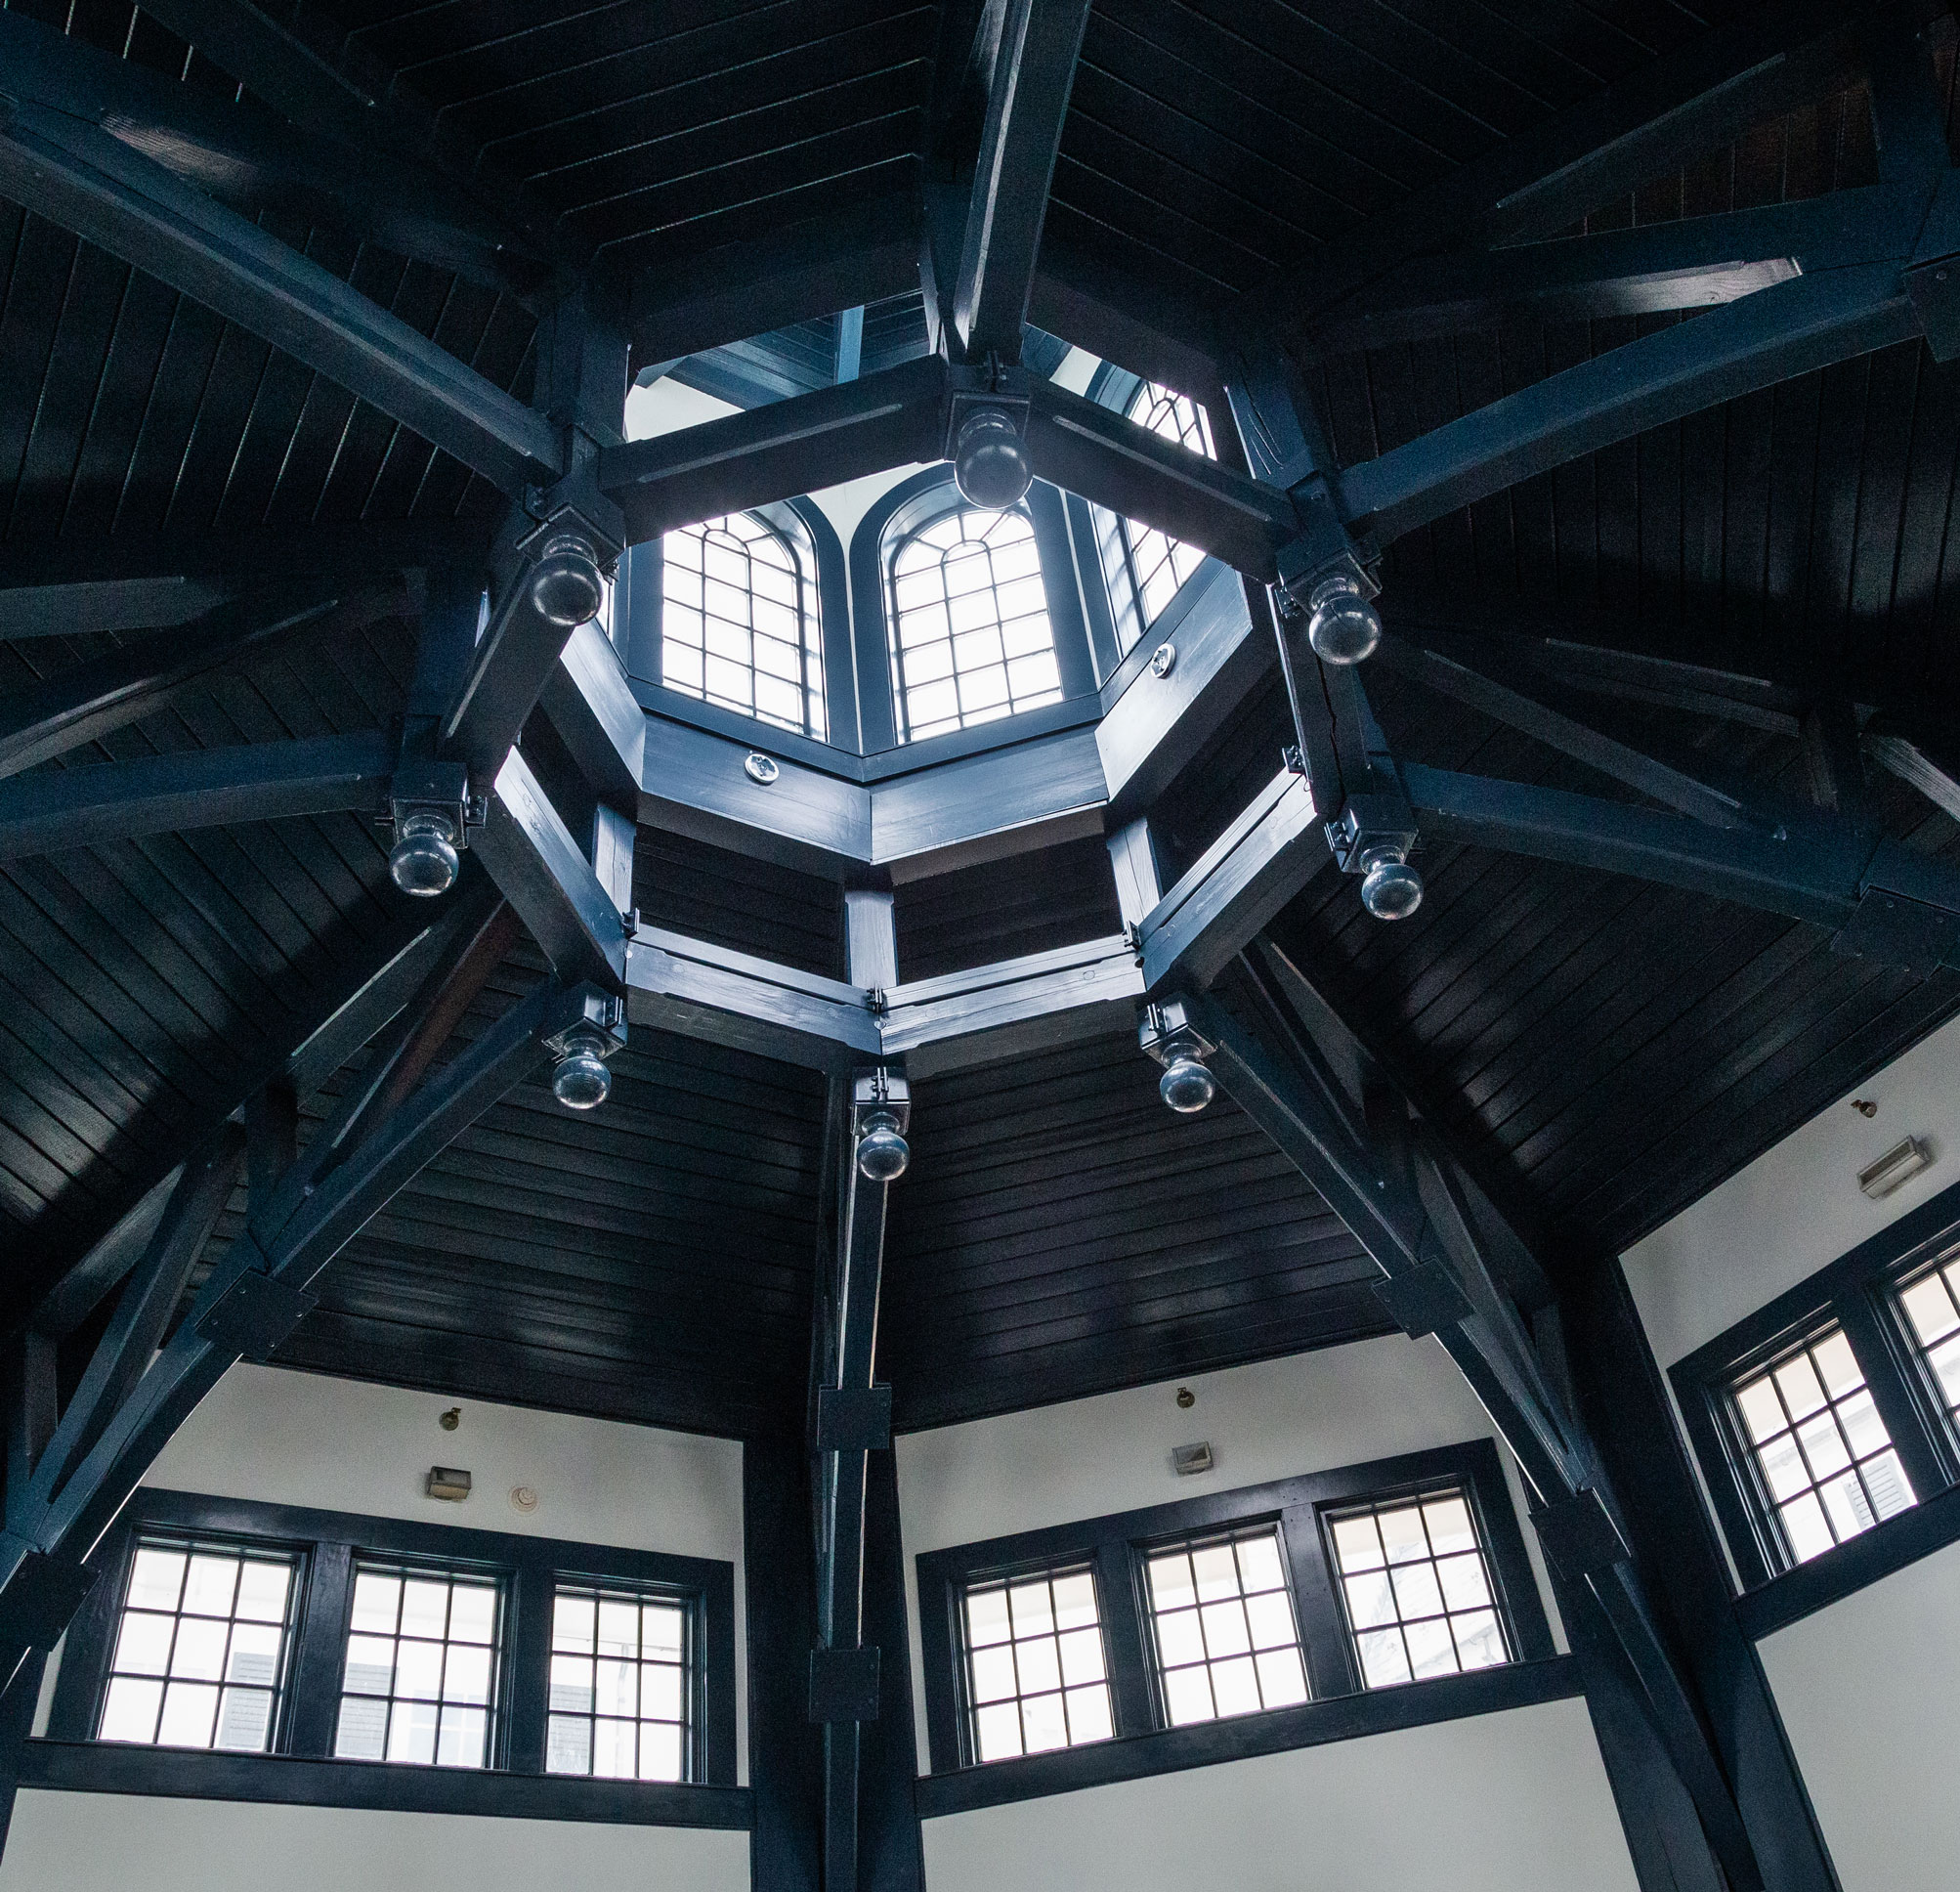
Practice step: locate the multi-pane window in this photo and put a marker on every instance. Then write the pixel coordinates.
(620, 1696)
(201, 1648)
(1035, 1677)
(1821, 1451)
(1932, 1306)
(737, 624)
(1416, 1590)
(1143, 566)
(421, 1675)
(1222, 1617)
(970, 631)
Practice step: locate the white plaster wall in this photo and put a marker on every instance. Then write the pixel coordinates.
(1798, 1206)
(281, 1437)
(104, 1842)
(1869, 1691)
(1511, 1802)
(1310, 1412)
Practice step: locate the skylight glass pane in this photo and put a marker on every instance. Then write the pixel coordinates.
(1222, 1616)
(1415, 1589)
(970, 637)
(420, 1678)
(1822, 1454)
(201, 1648)
(1146, 568)
(1036, 1676)
(738, 625)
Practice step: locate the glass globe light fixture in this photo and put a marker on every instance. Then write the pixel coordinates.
(581, 1079)
(1390, 889)
(1186, 1086)
(423, 860)
(883, 1152)
(1341, 625)
(990, 460)
(567, 586)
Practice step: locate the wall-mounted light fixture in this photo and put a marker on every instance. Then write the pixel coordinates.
(447, 1481)
(1899, 1165)
(1187, 1461)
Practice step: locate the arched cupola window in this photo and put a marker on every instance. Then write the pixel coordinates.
(1144, 567)
(739, 622)
(967, 622)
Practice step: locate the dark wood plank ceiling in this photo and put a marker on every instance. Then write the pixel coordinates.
(1613, 1048)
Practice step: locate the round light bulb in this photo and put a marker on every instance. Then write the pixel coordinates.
(567, 586)
(990, 460)
(423, 860)
(1390, 889)
(581, 1079)
(1341, 625)
(882, 1152)
(1186, 1086)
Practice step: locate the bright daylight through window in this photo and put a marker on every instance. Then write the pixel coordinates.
(1824, 1457)
(200, 1651)
(1143, 566)
(421, 1667)
(619, 1695)
(1416, 1590)
(1932, 1305)
(1222, 1616)
(1035, 1671)
(969, 623)
(738, 625)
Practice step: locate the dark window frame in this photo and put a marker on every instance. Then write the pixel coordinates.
(1857, 1293)
(1341, 1706)
(301, 1765)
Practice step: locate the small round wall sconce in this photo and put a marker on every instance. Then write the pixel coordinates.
(1186, 1398)
(451, 1419)
(759, 767)
(1162, 660)
(523, 1497)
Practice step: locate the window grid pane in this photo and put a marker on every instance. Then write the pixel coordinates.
(1932, 1307)
(967, 621)
(622, 1701)
(1823, 1455)
(1144, 567)
(1036, 1675)
(1415, 1589)
(1222, 1620)
(737, 626)
(202, 1646)
(421, 1674)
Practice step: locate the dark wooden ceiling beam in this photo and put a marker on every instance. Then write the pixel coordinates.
(82, 179)
(306, 68)
(1697, 262)
(1669, 112)
(208, 788)
(1792, 328)
(251, 157)
(87, 703)
(984, 264)
(807, 269)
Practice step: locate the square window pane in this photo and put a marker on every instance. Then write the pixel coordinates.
(472, 1613)
(1179, 1639)
(987, 1617)
(244, 1720)
(1417, 1592)
(411, 1732)
(568, 1744)
(1282, 1679)
(1088, 1714)
(1259, 1565)
(616, 1749)
(419, 1670)
(143, 1645)
(1462, 1581)
(1431, 1652)
(1761, 1410)
(1075, 1601)
(1235, 1686)
(130, 1711)
(156, 1580)
(1037, 1667)
(210, 1586)
(190, 1712)
(1837, 1366)
(1270, 1621)
(662, 1630)
(1225, 1629)
(617, 1685)
(1402, 1534)
(1384, 1661)
(1170, 1583)
(1797, 1381)
(660, 1751)
(1371, 1600)
(1357, 1545)
(573, 1619)
(462, 1737)
(199, 1649)
(263, 1589)
(1479, 1640)
(1031, 1609)
(361, 1733)
(997, 1730)
(572, 1684)
(660, 1692)
(1187, 1697)
(1887, 1483)
(467, 1675)
(253, 1659)
(1043, 1723)
(425, 1608)
(1081, 1656)
(1930, 1308)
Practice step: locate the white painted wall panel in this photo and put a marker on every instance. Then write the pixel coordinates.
(1798, 1207)
(101, 1842)
(1276, 1419)
(1869, 1691)
(1511, 1802)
